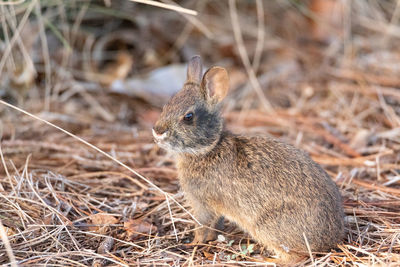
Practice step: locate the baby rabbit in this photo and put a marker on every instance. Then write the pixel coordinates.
(272, 190)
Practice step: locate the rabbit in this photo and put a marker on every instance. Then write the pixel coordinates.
(270, 189)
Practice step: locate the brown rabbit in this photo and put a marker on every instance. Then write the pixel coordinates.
(272, 190)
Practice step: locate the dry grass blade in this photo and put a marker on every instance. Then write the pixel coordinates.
(6, 242)
(16, 36)
(10, 3)
(260, 35)
(245, 58)
(6, 170)
(166, 6)
(46, 56)
(309, 249)
(195, 22)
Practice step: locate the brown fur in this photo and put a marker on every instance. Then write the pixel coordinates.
(270, 189)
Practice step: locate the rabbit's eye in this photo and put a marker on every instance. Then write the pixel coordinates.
(188, 116)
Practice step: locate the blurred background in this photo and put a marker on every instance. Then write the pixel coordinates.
(323, 75)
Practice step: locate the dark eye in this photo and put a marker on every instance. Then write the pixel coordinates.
(188, 116)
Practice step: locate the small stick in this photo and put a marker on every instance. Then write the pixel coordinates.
(373, 186)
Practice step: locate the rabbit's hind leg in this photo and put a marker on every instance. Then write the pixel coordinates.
(283, 257)
(288, 258)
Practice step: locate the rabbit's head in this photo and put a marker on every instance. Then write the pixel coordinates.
(190, 122)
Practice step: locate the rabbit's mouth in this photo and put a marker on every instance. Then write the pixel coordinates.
(163, 141)
(167, 142)
(162, 144)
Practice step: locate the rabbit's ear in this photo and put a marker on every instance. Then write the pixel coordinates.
(194, 70)
(215, 84)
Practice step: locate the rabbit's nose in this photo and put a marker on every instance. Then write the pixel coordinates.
(159, 133)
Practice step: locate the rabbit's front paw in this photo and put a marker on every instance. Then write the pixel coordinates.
(202, 235)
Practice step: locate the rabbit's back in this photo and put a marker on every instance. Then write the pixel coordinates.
(269, 188)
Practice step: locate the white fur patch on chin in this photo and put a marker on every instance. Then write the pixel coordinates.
(165, 146)
(187, 150)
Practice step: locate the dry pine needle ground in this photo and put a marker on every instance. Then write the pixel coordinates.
(65, 204)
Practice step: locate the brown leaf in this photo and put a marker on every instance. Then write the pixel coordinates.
(135, 227)
(100, 220)
(9, 231)
(103, 218)
(209, 256)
